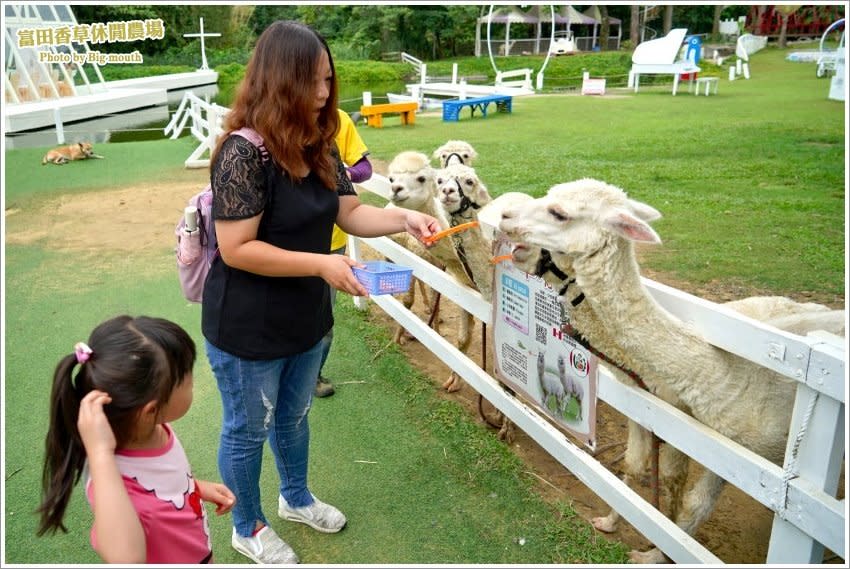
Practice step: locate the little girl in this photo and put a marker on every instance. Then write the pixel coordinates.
(111, 419)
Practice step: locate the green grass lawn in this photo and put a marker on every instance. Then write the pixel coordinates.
(751, 184)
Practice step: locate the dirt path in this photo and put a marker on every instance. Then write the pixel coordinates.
(137, 221)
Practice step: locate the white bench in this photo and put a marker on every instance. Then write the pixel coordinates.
(708, 82)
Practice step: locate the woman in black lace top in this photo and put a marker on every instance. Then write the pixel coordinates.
(266, 303)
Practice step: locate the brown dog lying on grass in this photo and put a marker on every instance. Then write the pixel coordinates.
(64, 154)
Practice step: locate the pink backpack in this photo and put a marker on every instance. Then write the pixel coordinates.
(197, 245)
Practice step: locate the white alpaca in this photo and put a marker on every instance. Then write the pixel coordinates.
(592, 226)
(549, 385)
(462, 194)
(455, 152)
(412, 186)
(778, 311)
(491, 214)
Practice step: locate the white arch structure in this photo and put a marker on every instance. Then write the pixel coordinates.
(499, 74)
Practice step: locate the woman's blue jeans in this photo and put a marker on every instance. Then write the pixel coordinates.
(264, 399)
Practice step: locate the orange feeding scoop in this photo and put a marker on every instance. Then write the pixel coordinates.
(450, 231)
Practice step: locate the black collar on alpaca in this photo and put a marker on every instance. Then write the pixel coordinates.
(456, 155)
(465, 202)
(545, 264)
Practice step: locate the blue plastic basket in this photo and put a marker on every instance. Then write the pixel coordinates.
(382, 277)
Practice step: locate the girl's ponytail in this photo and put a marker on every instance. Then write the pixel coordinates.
(65, 455)
(135, 361)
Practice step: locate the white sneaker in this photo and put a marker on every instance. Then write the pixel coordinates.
(265, 547)
(318, 515)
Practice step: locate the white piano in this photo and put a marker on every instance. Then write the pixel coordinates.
(658, 57)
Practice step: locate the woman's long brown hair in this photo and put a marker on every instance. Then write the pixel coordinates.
(277, 99)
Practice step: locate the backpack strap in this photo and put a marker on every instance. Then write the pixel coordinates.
(254, 138)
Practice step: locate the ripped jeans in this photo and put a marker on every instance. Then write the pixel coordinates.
(264, 399)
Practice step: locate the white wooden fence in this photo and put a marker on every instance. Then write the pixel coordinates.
(205, 123)
(801, 493)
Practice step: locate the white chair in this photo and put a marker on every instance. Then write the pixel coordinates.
(658, 57)
(747, 45)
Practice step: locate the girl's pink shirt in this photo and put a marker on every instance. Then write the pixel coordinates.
(163, 491)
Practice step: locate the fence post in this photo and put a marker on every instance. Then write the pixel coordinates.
(814, 452)
(60, 131)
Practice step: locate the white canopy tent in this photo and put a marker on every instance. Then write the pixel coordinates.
(593, 12)
(505, 15)
(565, 18)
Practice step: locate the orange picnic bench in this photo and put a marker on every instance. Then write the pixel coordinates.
(374, 113)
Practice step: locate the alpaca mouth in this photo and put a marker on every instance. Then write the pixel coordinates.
(520, 253)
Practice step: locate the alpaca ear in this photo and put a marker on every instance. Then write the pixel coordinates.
(643, 211)
(625, 224)
(483, 196)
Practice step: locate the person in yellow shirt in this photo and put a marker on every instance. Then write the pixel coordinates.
(353, 152)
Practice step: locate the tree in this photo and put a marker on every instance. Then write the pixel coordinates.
(668, 19)
(715, 23)
(605, 28)
(634, 25)
(785, 12)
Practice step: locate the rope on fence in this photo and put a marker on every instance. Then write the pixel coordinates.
(789, 471)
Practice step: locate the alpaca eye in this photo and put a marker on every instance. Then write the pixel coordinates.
(469, 182)
(559, 216)
(421, 179)
(465, 156)
(391, 179)
(440, 181)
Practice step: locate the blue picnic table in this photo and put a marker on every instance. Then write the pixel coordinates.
(452, 107)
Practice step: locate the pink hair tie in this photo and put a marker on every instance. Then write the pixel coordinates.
(82, 351)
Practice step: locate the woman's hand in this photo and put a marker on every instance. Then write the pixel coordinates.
(421, 225)
(336, 270)
(94, 428)
(217, 494)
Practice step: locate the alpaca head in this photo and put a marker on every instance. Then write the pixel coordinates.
(491, 214)
(562, 366)
(579, 218)
(455, 152)
(459, 189)
(411, 180)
